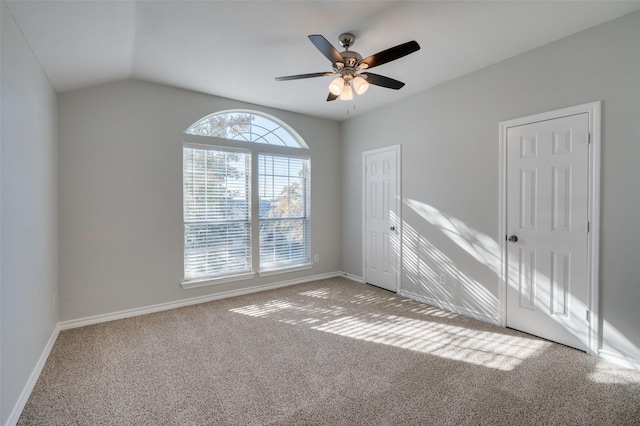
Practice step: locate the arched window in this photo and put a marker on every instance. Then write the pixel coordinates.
(236, 193)
(247, 126)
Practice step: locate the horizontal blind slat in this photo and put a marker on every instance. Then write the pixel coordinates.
(217, 212)
(284, 225)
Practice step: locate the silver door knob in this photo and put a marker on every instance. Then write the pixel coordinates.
(513, 239)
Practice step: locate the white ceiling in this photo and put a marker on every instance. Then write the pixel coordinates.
(235, 49)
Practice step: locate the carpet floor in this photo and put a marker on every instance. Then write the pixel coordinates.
(328, 352)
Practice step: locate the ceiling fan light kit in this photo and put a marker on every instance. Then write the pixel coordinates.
(360, 85)
(348, 66)
(336, 86)
(347, 92)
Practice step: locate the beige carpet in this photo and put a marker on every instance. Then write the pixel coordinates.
(327, 352)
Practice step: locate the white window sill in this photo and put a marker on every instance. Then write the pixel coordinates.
(246, 276)
(284, 270)
(213, 281)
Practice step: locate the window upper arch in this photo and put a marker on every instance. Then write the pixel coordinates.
(248, 126)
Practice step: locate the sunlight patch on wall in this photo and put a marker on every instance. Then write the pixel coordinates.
(424, 256)
(423, 262)
(616, 345)
(480, 246)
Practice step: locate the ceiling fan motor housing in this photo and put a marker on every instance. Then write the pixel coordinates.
(351, 58)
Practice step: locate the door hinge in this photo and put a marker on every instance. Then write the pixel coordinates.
(589, 137)
(588, 315)
(588, 227)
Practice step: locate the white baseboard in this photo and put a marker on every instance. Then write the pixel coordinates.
(352, 277)
(95, 319)
(453, 308)
(14, 416)
(619, 359)
(64, 325)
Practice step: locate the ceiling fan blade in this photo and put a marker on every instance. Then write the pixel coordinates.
(326, 48)
(331, 97)
(382, 81)
(391, 54)
(299, 76)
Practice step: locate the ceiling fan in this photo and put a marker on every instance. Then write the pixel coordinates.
(349, 66)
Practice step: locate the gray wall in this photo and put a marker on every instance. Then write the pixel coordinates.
(106, 160)
(29, 215)
(120, 162)
(449, 137)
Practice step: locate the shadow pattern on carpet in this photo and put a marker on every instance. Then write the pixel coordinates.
(327, 352)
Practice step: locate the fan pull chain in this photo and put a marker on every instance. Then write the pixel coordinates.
(354, 106)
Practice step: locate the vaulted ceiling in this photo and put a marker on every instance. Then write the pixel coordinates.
(235, 49)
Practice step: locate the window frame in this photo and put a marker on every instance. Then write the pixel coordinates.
(307, 218)
(288, 129)
(185, 222)
(255, 149)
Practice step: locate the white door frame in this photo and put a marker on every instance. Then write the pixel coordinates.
(593, 237)
(398, 150)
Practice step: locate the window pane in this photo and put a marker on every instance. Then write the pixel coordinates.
(214, 249)
(283, 242)
(284, 236)
(217, 212)
(244, 126)
(217, 208)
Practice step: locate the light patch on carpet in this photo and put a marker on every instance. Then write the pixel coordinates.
(367, 299)
(492, 350)
(435, 312)
(321, 293)
(276, 306)
(489, 349)
(613, 374)
(263, 310)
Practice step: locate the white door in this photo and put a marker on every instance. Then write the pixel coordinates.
(381, 222)
(547, 229)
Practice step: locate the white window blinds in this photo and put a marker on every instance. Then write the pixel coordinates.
(284, 211)
(217, 212)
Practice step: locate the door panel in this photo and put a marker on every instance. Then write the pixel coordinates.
(380, 216)
(547, 210)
